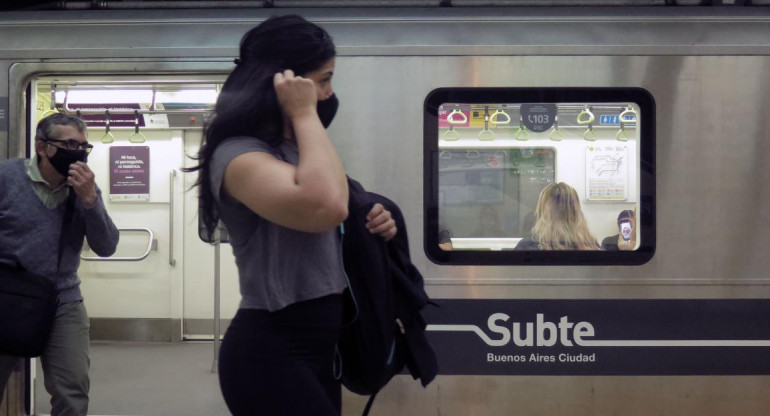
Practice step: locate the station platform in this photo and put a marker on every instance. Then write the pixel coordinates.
(148, 379)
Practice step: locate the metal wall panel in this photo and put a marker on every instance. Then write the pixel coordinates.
(710, 145)
(429, 31)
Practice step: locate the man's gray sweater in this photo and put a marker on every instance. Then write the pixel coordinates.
(30, 232)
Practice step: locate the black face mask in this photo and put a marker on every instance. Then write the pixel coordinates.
(327, 109)
(63, 158)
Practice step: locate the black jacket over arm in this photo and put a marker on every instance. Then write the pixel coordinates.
(391, 263)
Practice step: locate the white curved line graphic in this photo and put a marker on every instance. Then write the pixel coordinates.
(677, 343)
(614, 343)
(468, 328)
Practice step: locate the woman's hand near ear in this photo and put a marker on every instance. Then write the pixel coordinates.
(297, 95)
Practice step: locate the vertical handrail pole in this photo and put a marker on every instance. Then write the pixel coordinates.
(214, 366)
(171, 259)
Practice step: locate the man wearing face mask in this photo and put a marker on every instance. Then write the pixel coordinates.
(40, 198)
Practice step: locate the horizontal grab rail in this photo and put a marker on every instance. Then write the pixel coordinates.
(68, 110)
(139, 258)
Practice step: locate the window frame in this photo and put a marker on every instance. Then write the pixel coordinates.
(516, 95)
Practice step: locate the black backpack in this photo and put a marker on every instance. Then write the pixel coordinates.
(384, 329)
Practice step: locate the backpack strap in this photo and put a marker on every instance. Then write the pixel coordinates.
(369, 403)
(68, 212)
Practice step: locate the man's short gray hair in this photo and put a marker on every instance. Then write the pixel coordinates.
(46, 126)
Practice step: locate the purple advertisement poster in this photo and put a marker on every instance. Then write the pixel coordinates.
(129, 173)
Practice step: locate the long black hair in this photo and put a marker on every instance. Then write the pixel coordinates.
(247, 104)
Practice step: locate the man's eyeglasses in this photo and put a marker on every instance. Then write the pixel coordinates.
(70, 144)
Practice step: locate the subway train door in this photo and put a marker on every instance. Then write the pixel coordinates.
(135, 293)
(211, 277)
(159, 285)
(145, 130)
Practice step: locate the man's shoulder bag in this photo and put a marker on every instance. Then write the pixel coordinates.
(28, 301)
(28, 309)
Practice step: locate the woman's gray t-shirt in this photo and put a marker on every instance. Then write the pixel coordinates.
(277, 266)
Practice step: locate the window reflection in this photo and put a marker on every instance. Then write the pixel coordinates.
(488, 196)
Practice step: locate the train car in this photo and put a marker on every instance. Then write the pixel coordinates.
(655, 116)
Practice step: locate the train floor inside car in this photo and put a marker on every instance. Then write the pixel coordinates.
(148, 378)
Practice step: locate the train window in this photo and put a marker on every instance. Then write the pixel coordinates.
(539, 176)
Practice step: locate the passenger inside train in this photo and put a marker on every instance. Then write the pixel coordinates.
(625, 239)
(445, 239)
(560, 223)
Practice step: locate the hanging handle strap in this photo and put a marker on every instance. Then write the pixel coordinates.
(107, 137)
(137, 136)
(585, 116)
(499, 117)
(461, 117)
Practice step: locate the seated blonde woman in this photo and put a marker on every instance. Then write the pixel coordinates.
(559, 222)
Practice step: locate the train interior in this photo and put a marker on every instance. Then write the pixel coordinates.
(492, 167)
(161, 262)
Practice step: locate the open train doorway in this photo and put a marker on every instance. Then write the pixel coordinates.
(158, 288)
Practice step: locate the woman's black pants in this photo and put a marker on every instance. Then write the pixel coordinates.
(281, 363)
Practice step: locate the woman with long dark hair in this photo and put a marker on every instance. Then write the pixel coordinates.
(269, 172)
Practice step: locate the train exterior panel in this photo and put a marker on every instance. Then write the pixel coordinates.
(708, 74)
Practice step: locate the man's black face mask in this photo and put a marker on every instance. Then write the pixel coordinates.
(327, 109)
(63, 158)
